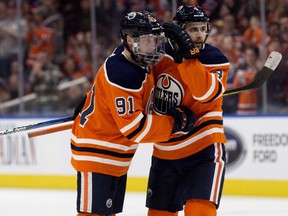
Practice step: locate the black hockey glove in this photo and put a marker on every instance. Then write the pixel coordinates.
(79, 107)
(181, 42)
(184, 119)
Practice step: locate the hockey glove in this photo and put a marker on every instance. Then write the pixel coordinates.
(181, 42)
(184, 119)
(79, 107)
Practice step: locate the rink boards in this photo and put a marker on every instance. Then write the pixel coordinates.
(257, 158)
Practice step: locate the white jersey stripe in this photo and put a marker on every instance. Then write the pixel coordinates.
(90, 194)
(103, 143)
(133, 123)
(210, 114)
(189, 141)
(210, 91)
(219, 168)
(217, 65)
(146, 130)
(82, 196)
(100, 160)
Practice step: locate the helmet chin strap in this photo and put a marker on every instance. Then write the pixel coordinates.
(203, 45)
(135, 58)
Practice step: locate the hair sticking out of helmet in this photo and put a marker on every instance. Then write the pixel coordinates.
(191, 13)
(143, 27)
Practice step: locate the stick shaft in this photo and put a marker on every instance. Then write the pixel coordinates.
(37, 125)
(54, 129)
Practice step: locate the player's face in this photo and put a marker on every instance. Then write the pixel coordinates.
(197, 31)
(149, 49)
(149, 43)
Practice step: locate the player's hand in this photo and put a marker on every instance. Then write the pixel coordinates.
(181, 42)
(184, 119)
(79, 107)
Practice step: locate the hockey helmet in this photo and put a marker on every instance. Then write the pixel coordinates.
(191, 13)
(140, 24)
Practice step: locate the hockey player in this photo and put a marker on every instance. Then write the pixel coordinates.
(189, 170)
(116, 116)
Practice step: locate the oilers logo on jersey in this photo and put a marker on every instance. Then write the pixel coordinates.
(168, 93)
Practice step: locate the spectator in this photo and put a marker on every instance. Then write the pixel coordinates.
(276, 82)
(69, 14)
(84, 16)
(232, 48)
(13, 84)
(167, 16)
(211, 7)
(4, 91)
(72, 96)
(70, 69)
(228, 26)
(44, 78)
(247, 100)
(253, 33)
(78, 47)
(40, 38)
(10, 28)
(274, 31)
(4, 95)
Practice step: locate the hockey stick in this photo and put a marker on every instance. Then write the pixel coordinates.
(48, 130)
(270, 65)
(37, 125)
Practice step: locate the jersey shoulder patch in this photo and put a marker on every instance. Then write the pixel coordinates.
(211, 55)
(123, 73)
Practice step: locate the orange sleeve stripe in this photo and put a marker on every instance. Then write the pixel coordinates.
(85, 176)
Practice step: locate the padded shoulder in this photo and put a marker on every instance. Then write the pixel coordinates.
(119, 49)
(124, 73)
(211, 55)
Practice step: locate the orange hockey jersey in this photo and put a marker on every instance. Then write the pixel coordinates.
(247, 100)
(197, 84)
(115, 118)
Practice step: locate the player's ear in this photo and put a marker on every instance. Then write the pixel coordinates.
(130, 40)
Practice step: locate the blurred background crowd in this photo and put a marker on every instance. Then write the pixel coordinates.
(50, 50)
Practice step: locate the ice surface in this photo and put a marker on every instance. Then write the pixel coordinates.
(27, 202)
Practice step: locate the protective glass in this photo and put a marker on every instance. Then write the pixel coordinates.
(149, 49)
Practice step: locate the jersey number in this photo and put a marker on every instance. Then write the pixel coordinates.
(121, 105)
(124, 105)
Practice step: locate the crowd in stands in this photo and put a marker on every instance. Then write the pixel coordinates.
(50, 42)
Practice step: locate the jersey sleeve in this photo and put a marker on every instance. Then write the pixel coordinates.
(206, 83)
(130, 111)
